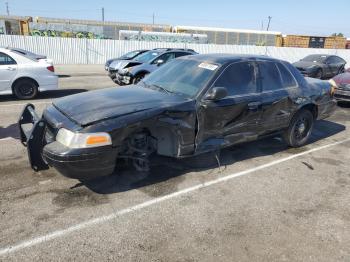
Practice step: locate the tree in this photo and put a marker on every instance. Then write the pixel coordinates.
(338, 34)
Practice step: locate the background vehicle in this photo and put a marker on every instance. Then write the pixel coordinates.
(31, 55)
(342, 82)
(24, 76)
(127, 56)
(193, 105)
(321, 66)
(135, 70)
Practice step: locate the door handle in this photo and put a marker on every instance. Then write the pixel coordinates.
(254, 106)
(11, 69)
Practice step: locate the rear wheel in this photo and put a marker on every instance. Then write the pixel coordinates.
(25, 89)
(299, 129)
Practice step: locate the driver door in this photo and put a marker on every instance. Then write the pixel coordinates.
(234, 118)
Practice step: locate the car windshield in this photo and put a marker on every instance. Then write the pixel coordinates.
(182, 76)
(315, 58)
(147, 57)
(130, 55)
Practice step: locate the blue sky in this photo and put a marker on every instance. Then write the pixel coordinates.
(313, 17)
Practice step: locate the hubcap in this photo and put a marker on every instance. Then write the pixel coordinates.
(26, 90)
(301, 128)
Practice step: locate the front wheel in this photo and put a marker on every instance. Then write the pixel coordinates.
(138, 78)
(299, 129)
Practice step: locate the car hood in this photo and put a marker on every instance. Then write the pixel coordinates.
(94, 106)
(120, 64)
(305, 64)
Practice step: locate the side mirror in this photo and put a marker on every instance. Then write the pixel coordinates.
(216, 93)
(159, 62)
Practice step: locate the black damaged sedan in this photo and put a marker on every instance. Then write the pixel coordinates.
(192, 105)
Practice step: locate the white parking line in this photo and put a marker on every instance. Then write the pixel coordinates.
(99, 220)
(7, 139)
(23, 104)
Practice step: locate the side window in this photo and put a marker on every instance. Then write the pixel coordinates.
(270, 76)
(338, 60)
(165, 57)
(287, 78)
(331, 60)
(179, 54)
(239, 79)
(6, 60)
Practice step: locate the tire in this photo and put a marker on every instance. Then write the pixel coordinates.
(299, 129)
(25, 89)
(319, 74)
(138, 78)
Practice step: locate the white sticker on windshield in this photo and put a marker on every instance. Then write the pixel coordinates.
(208, 66)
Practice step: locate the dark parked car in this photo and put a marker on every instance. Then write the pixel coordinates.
(321, 66)
(127, 56)
(192, 105)
(342, 83)
(135, 70)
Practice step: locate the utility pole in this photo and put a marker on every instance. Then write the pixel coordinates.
(268, 25)
(103, 14)
(153, 18)
(7, 8)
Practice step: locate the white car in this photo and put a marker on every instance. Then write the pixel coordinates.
(24, 76)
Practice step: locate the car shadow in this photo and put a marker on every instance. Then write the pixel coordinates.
(46, 95)
(11, 131)
(167, 173)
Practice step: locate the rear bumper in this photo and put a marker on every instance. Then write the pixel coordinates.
(73, 163)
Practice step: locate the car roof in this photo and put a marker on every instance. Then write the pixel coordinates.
(228, 58)
(173, 49)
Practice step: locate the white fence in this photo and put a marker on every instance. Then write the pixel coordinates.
(97, 51)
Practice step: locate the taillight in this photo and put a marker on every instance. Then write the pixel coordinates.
(51, 68)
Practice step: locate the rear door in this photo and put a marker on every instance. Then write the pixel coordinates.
(8, 70)
(334, 64)
(279, 91)
(234, 118)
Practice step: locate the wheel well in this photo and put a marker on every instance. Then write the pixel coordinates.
(312, 108)
(141, 73)
(24, 78)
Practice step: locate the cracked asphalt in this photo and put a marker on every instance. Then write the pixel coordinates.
(277, 203)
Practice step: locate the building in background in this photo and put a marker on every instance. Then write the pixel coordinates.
(163, 37)
(227, 36)
(303, 41)
(91, 29)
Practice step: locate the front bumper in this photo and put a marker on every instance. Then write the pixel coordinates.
(123, 79)
(342, 95)
(81, 164)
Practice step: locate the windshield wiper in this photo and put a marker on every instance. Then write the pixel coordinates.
(164, 89)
